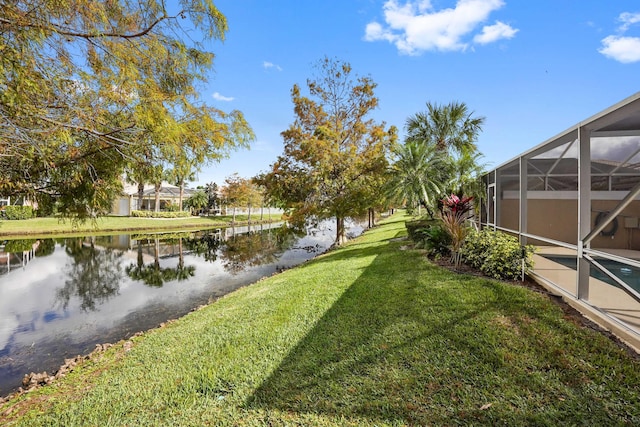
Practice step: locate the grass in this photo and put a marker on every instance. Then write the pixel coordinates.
(366, 335)
(55, 226)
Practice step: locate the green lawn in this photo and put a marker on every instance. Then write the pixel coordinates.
(53, 226)
(371, 334)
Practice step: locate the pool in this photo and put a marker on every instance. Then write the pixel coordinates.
(628, 274)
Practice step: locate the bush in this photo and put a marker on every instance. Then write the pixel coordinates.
(18, 212)
(437, 240)
(430, 235)
(415, 228)
(172, 208)
(496, 254)
(163, 214)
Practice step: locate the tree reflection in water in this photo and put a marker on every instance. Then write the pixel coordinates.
(153, 274)
(93, 276)
(95, 272)
(205, 244)
(257, 248)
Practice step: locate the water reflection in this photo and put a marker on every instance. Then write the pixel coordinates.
(59, 298)
(93, 275)
(252, 249)
(153, 274)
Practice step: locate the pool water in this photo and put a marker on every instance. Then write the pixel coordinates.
(628, 274)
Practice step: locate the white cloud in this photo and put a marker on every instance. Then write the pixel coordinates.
(267, 65)
(628, 19)
(219, 97)
(492, 33)
(416, 26)
(622, 48)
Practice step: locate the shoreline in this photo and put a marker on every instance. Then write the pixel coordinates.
(123, 230)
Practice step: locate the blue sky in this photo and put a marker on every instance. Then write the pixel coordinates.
(531, 68)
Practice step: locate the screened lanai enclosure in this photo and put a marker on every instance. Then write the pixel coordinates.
(576, 197)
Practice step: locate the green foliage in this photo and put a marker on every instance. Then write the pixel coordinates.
(162, 214)
(197, 201)
(413, 227)
(437, 240)
(496, 254)
(416, 176)
(448, 134)
(450, 128)
(335, 156)
(430, 235)
(93, 88)
(18, 212)
(170, 207)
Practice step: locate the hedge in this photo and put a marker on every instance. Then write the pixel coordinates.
(18, 212)
(163, 214)
(496, 254)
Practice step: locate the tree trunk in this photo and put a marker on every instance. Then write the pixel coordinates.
(249, 213)
(181, 195)
(140, 194)
(341, 238)
(233, 219)
(157, 188)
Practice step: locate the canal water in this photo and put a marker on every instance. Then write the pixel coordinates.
(61, 297)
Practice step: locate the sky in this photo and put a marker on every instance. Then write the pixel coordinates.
(532, 69)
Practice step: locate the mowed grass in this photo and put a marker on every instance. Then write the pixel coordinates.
(371, 334)
(55, 226)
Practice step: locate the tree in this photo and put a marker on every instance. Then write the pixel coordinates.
(85, 84)
(465, 172)
(181, 172)
(332, 151)
(451, 130)
(450, 127)
(197, 201)
(211, 189)
(417, 175)
(239, 191)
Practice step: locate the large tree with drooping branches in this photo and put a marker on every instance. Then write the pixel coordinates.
(86, 85)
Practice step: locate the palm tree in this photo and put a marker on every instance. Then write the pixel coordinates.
(465, 170)
(450, 128)
(416, 175)
(198, 200)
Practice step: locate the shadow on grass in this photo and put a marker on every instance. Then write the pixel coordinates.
(394, 349)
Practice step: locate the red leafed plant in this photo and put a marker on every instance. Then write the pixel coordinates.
(455, 212)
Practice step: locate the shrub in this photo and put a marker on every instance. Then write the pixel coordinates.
(163, 214)
(18, 212)
(430, 235)
(415, 228)
(436, 240)
(496, 254)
